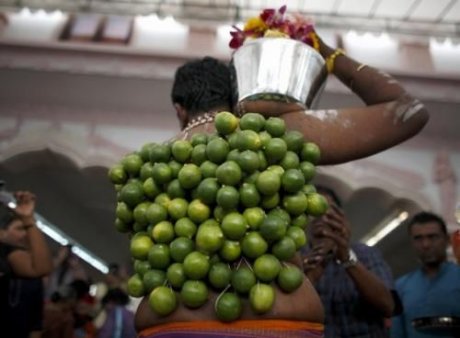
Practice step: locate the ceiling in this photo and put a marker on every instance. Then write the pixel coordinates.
(420, 17)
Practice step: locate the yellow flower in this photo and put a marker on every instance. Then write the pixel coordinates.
(271, 33)
(255, 24)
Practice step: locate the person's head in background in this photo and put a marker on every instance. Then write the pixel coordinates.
(115, 297)
(65, 297)
(201, 86)
(12, 229)
(429, 237)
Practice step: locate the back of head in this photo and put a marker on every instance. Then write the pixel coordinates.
(202, 86)
(427, 217)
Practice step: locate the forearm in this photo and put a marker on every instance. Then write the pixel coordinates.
(40, 254)
(372, 289)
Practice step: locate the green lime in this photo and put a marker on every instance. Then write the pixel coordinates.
(177, 208)
(253, 245)
(117, 174)
(308, 169)
(194, 293)
(263, 163)
(248, 140)
(290, 278)
(220, 275)
(273, 228)
(229, 173)
(124, 213)
(248, 160)
(140, 246)
(308, 189)
(261, 298)
(180, 247)
(150, 188)
(198, 212)
(228, 197)
(160, 153)
(163, 199)
(132, 164)
(175, 190)
(162, 300)
(121, 226)
(233, 155)
(140, 213)
(219, 213)
(146, 171)
(159, 257)
(275, 150)
(156, 213)
(141, 267)
(267, 267)
(153, 278)
(270, 202)
(225, 123)
(284, 249)
(161, 173)
(234, 226)
(295, 204)
(145, 151)
(252, 178)
(230, 251)
(181, 150)
(283, 214)
(199, 138)
(264, 138)
(175, 168)
(135, 286)
(316, 204)
(298, 235)
(207, 190)
(233, 140)
(196, 265)
(275, 126)
(249, 195)
(208, 169)
(184, 227)
(217, 150)
(209, 238)
(277, 169)
(252, 121)
(176, 275)
(132, 194)
(292, 180)
(189, 176)
(268, 183)
(254, 217)
(310, 152)
(163, 232)
(290, 161)
(228, 307)
(137, 227)
(294, 140)
(243, 279)
(300, 221)
(199, 154)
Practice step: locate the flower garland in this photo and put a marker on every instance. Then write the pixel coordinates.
(275, 23)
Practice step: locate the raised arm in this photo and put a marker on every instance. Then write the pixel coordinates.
(36, 261)
(390, 117)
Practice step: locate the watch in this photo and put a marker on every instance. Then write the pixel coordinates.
(351, 261)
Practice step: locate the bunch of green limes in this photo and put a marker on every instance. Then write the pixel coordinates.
(224, 211)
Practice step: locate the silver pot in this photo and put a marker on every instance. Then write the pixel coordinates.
(278, 69)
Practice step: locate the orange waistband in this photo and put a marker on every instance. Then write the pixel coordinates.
(237, 325)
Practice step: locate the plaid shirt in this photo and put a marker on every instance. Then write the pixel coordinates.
(347, 314)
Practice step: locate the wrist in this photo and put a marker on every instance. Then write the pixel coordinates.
(29, 221)
(348, 260)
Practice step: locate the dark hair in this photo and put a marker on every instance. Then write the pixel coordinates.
(321, 189)
(7, 215)
(427, 217)
(116, 296)
(202, 85)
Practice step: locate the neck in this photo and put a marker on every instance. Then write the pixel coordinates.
(203, 117)
(432, 269)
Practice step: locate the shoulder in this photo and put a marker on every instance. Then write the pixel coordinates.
(406, 280)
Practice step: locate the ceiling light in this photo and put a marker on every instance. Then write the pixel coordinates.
(382, 231)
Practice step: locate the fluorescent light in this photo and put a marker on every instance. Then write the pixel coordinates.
(380, 232)
(53, 234)
(90, 258)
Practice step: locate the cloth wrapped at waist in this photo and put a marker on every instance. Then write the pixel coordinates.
(238, 329)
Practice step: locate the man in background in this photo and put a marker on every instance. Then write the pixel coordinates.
(352, 279)
(433, 290)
